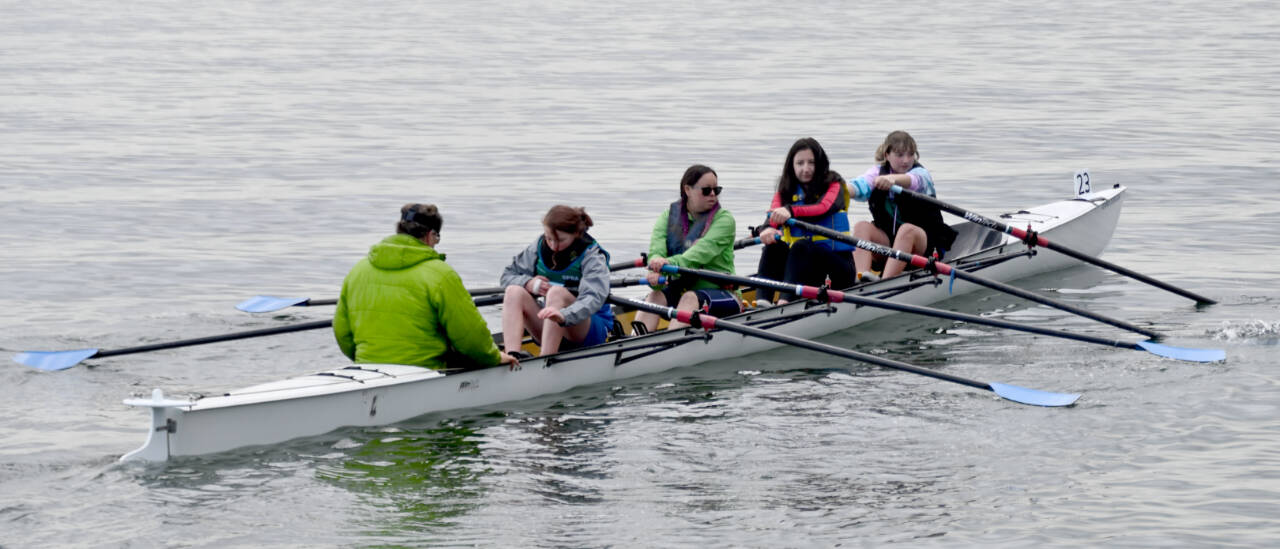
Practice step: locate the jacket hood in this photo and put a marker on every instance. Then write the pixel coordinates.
(401, 251)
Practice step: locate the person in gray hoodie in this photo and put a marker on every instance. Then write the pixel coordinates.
(569, 270)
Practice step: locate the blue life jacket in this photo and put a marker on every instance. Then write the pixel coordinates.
(836, 220)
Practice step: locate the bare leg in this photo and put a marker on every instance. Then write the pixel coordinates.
(519, 312)
(650, 320)
(552, 331)
(688, 302)
(862, 259)
(911, 239)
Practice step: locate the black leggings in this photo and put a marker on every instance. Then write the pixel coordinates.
(804, 263)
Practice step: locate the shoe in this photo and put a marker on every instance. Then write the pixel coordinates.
(763, 303)
(869, 276)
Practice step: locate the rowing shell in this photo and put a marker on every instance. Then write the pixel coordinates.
(379, 394)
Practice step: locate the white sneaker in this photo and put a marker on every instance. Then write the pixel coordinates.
(762, 303)
(869, 276)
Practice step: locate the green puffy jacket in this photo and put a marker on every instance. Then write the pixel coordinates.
(404, 305)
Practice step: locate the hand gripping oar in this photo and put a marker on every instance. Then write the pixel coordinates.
(1009, 392)
(945, 269)
(268, 304)
(1167, 351)
(1033, 238)
(61, 360)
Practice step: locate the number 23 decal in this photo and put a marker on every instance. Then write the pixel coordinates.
(1082, 183)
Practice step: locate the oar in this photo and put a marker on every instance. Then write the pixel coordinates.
(1009, 392)
(61, 360)
(1167, 351)
(945, 269)
(1035, 238)
(268, 304)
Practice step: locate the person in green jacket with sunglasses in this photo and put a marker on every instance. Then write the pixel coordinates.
(694, 232)
(404, 305)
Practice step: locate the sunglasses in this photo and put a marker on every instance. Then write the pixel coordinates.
(706, 191)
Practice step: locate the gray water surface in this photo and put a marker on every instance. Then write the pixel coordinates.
(160, 162)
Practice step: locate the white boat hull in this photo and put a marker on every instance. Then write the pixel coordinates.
(368, 394)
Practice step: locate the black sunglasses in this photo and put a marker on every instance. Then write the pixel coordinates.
(706, 191)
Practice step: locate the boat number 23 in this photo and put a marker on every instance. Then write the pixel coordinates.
(1082, 183)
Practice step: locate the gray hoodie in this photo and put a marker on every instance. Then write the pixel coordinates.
(592, 291)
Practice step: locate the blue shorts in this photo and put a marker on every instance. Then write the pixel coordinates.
(715, 302)
(601, 323)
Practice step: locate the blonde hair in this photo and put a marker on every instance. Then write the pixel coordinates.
(897, 141)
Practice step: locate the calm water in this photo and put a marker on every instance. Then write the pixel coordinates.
(163, 161)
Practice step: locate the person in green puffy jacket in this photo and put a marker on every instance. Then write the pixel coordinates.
(404, 305)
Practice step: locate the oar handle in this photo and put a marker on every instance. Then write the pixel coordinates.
(630, 263)
(798, 289)
(218, 338)
(744, 242)
(489, 299)
(1041, 241)
(618, 266)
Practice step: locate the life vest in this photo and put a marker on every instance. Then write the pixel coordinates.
(888, 215)
(570, 275)
(681, 234)
(837, 220)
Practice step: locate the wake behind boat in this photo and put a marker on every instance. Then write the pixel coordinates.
(372, 394)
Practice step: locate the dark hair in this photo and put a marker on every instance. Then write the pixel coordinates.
(897, 141)
(417, 220)
(691, 177)
(574, 221)
(788, 182)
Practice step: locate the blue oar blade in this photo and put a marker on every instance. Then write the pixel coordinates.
(1034, 397)
(267, 303)
(53, 360)
(1184, 353)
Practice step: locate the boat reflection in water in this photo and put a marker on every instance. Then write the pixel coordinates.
(433, 474)
(429, 475)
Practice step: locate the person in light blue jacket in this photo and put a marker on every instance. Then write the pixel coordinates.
(907, 225)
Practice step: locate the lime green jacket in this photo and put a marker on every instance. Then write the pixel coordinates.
(713, 252)
(403, 305)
